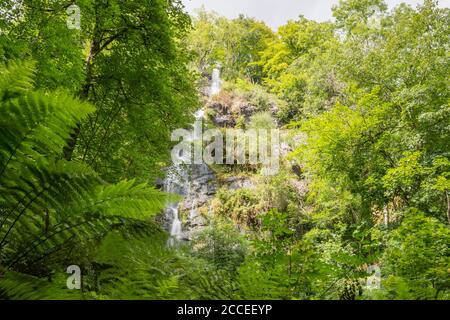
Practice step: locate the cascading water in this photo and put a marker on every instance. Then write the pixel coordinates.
(215, 82)
(190, 181)
(178, 181)
(175, 183)
(176, 231)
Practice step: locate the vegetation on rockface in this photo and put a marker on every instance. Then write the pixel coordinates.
(366, 99)
(364, 183)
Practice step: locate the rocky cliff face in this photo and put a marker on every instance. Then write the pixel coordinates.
(228, 110)
(197, 185)
(195, 205)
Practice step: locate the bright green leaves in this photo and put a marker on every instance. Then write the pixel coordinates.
(43, 35)
(442, 181)
(138, 79)
(289, 68)
(16, 78)
(345, 146)
(419, 183)
(407, 176)
(278, 235)
(379, 151)
(19, 286)
(138, 268)
(369, 93)
(222, 245)
(35, 126)
(129, 199)
(418, 254)
(236, 44)
(49, 204)
(356, 15)
(128, 59)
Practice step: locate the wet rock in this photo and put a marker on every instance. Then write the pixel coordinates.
(159, 183)
(197, 185)
(219, 108)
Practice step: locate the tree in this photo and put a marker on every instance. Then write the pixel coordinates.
(48, 204)
(234, 44)
(298, 66)
(127, 60)
(418, 257)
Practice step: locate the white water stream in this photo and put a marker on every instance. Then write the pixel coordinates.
(215, 82)
(178, 179)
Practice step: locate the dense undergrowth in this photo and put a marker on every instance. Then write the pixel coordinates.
(363, 185)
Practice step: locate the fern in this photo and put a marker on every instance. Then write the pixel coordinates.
(35, 125)
(126, 199)
(46, 203)
(139, 268)
(16, 79)
(19, 286)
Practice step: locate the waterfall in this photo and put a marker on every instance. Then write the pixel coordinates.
(191, 182)
(215, 83)
(176, 230)
(199, 114)
(179, 181)
(176, 182)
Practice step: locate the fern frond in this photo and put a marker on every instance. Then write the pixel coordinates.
(48, 204)
(141, 268)
(16, 78)
(130, 200)
(35, 125)
(19, 286)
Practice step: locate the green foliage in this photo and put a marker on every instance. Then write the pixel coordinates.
(354, 16)
(281, 266)
(240, 205)
(19, 286)
(368, 93)
(86, 117)
(262, 120)
(418, 256)
(246, 205)
(296, 67)
(358, 146)
(374, 155)
(234, 44)
(49, 204)
(128, 60)
(222, 245)
(138, 268)
(254, 94)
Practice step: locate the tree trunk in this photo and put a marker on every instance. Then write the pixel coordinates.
(84, 92)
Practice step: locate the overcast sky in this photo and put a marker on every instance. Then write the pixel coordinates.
(278, 12)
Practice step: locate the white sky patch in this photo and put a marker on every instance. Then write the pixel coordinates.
(277, 12)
